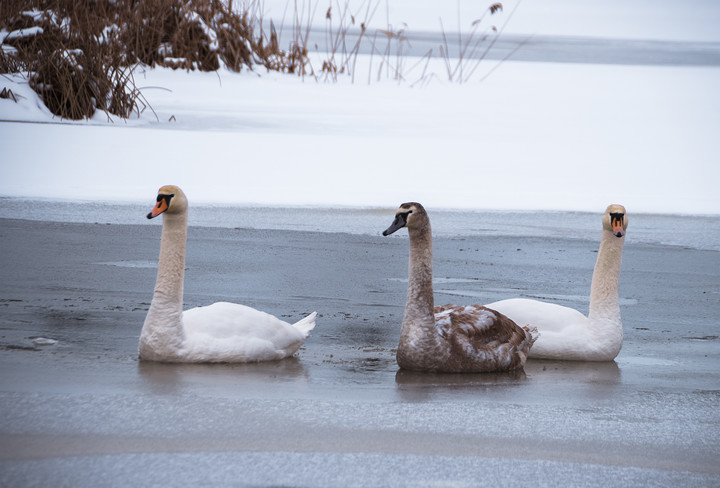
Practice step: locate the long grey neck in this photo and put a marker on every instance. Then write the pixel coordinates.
(604, 300)
(420, 302)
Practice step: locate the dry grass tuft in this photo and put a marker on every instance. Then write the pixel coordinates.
(80, 55)
(8, 94)
(72, 60)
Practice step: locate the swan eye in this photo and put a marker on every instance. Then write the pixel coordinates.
(404, 216)
(163, 204)
(399, 222)
(165, 197)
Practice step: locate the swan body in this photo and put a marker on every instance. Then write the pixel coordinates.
(567, 334)
(449, 338)
(221, 332)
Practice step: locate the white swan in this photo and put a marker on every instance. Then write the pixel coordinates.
(567, 334)
(222, 332)
(465, 339)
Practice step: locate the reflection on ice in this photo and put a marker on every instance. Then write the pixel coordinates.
(131, 264)
(415, 386)
(606, 372)
(413, 378)
(441, 281)
(535, 371)
(646, 361)
(169, 378)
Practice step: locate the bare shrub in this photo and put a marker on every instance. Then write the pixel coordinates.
(64, 85)
(70, 57)
(143, 27)
(9, 63)
(234, 40)
(342, 55)
(80, 55)
(474, 47)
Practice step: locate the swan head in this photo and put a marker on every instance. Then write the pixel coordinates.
(615, 220)
(411, 215)
(170, 200)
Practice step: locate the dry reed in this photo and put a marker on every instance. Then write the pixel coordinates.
(80, 55)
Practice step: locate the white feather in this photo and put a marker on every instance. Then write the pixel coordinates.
(221, 332)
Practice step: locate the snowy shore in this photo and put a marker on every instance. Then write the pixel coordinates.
(531, 136)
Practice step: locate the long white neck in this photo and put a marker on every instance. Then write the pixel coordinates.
(604, 315)
(418, 327)
(163, 329)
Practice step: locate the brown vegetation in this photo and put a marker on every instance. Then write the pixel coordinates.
(80, 55)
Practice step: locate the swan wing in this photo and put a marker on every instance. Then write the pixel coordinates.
(229, 332)
(481, 338)
(547, 317)
(564, 332)
(473, 321)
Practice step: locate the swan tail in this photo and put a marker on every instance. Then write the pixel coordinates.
(534, 334)
(307, 324)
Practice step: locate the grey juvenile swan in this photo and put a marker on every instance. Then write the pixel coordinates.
(451, 339)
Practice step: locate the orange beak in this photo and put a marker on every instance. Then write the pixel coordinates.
(617, 227)
(162, 205)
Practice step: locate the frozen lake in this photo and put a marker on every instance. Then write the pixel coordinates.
(544, 48)
(84, 412)
(691, 231)
(604, 101)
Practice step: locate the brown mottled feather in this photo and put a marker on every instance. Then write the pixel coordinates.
(481, 339)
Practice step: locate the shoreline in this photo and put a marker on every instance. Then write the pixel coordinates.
(697, 231)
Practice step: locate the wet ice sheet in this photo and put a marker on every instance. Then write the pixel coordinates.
(131, 264)
(566, 421)
(696, 232)
(324, 469)
(652, 415)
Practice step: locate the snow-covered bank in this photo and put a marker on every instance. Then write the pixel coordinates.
(532, 136)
